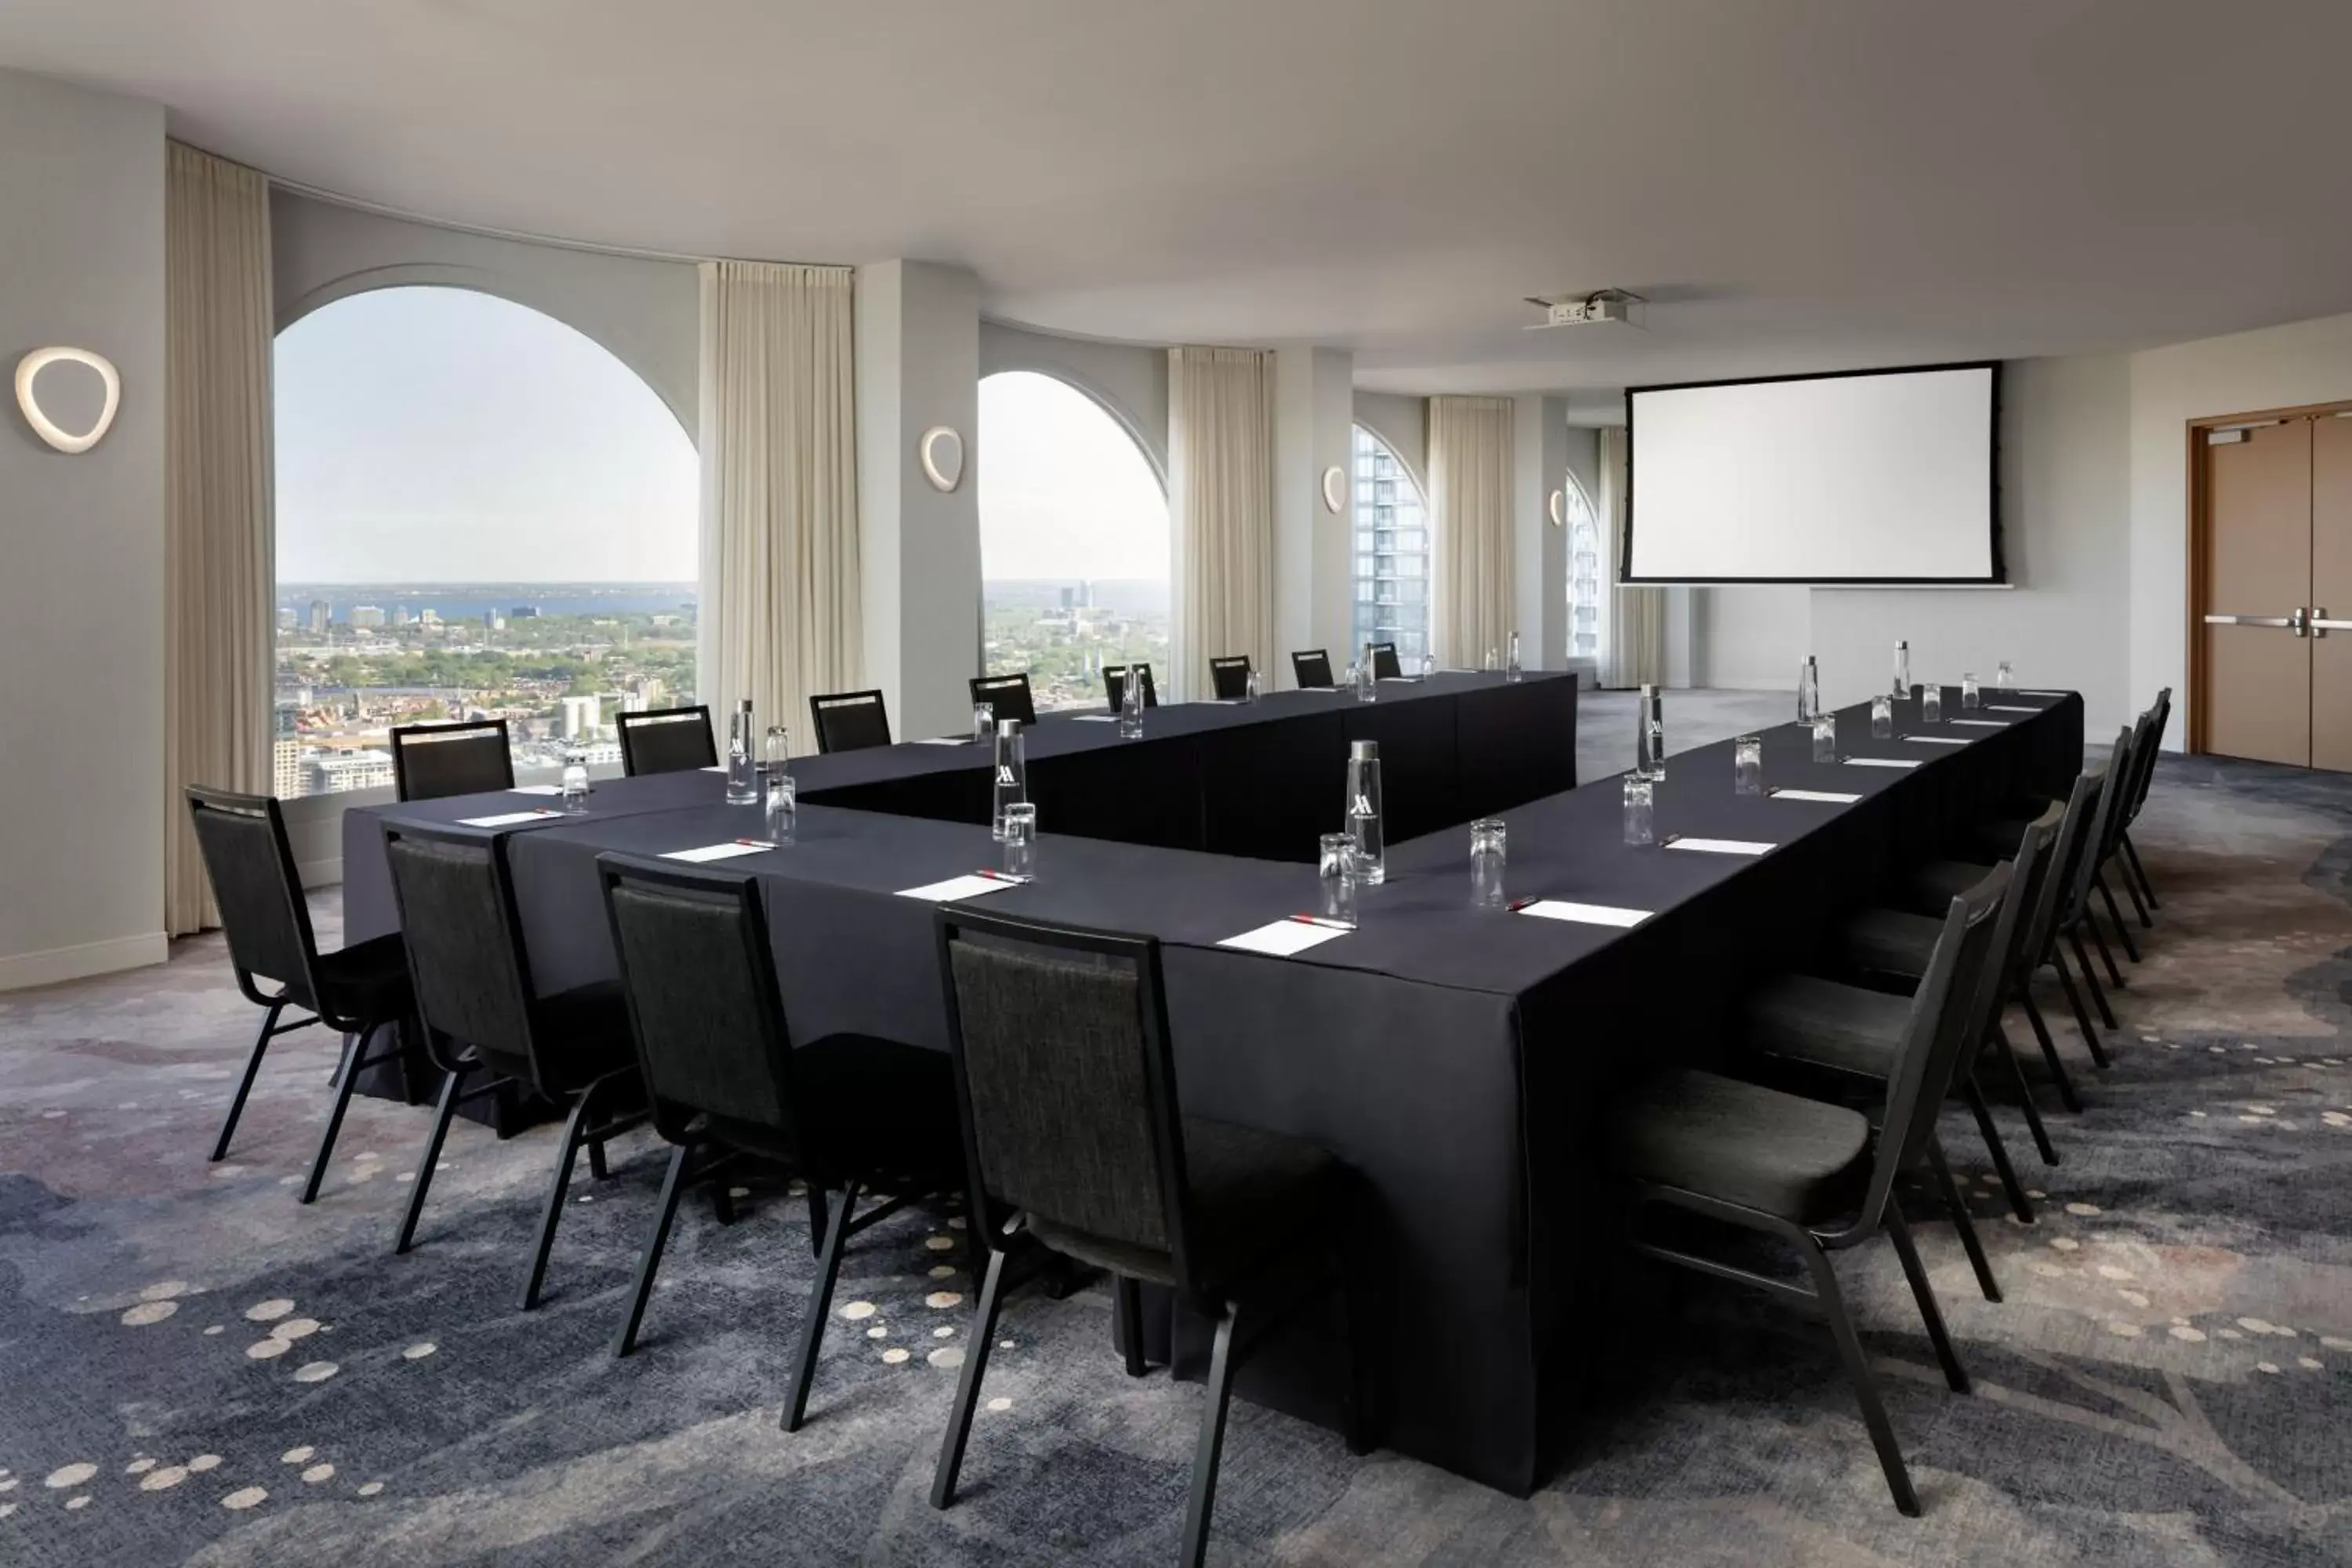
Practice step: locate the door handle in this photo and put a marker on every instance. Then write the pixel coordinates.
(2293, 623)
(2321, 626)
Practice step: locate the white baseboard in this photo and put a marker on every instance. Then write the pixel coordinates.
(78, 963)
(324, 873)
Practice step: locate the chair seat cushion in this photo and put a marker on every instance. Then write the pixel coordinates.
(1935, 885)
(1254, 1193)
(1892, 941)
(1741, 1143)
(367, 982)
(1829, 1025)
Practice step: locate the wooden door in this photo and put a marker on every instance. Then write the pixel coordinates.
(2331, 591)
(2257, 690)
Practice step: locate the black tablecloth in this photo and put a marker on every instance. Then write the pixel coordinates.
(1457, 1059)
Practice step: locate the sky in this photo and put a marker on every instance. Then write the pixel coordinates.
(448, 436)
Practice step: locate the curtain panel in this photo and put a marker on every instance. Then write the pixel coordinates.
(1470, 496)
(1636, 654)
(782, 615)
(220, 516)
(1221, 503)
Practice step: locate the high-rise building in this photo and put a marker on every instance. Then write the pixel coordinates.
(340, 773)
(287, 778)
(428, 617)
(366, 617)
(523, 612)
(320, 611)
(1069, 600)
(493, 622)
(583, 717)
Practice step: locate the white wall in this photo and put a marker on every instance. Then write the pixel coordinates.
(81, 594)
(1314, 555)
(1128, 379)
(1750, 636)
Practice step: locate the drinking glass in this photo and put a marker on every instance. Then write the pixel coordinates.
(1825, 738)
(1931, 702)
(1011, 782)
(776, 755)
(783, 805)
(1487, 856)
(1130, 705)
(1364, 819)
(1335, 868)
(1249, 684)
(1428, 665)
(1490, 659)
(1020, 840)
(2003, 679)
(1748, 765)
(1640, 827)
(983, 720)
(1972, 695)
(576, 782)
(1882, 717)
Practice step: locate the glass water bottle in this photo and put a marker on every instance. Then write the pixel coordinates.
(1012, 786)
(1368, 679)
(1364, 812)
(1130, 704)
(1808, 692)
(1514, 671)
(1650, 734)
(743, 766)
(1901, 671)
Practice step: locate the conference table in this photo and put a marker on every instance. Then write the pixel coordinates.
(1459, 1059)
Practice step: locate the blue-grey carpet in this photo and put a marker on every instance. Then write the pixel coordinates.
(193, 1369)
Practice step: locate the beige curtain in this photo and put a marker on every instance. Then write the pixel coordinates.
(1220, 502)
(219, 524)
(780, 598)
(1636, 651)
(1470, 496)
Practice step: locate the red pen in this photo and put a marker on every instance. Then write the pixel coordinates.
(1318, 921)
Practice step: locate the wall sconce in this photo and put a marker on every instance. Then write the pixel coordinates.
(47, 428)
(941, 453)
(1334, 488)
(1558, 507)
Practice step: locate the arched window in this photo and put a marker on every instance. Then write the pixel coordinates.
(480, 512)
(1588, 571)
(1073, 558)
(1392, 554)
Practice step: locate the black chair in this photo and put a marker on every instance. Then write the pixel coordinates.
(667, 741)
(355, 992)
(851, 1113)
(2133, 870)
(1115, 682)
(1008, 695)
(1384, 661)
(1311, 669)
(1812, 1174)
(850, 721)
(430, 761)
(1065, 1082)
(1229, 676)
(2145, 734)
(482, 1018)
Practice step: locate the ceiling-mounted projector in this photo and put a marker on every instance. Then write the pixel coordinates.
(1601, 305)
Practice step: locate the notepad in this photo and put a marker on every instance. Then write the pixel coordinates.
(1882, 762)
(1584, 915)
(1827, 797)
(1097, 718)
(1985, 723)
(1997, 708)
(1721, 846)
(1937, 740)
(956, 888)
(945, 741)
(1282, 937)
(536, 789)
(726, 851)
(719, 768)
(2024, 693)
(507, 818)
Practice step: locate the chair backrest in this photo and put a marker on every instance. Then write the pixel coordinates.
(850, 721)
(430, 761)
(263, 914)
(1312, 669)
(1065, 1081)
(1008, 695)
(2114, 780)
(1942, 1012)
(1115, 682)
(2029, 872)
(700, 980)
(667, 741)
(1229, 676)
(2151, 742)
(1384, 662)
(464, 935)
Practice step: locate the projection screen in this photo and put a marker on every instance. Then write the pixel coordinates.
(1877, 476)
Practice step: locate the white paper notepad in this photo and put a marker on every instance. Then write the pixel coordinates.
(2024, 693)
(1282, 937)
(955, 889)
(1827, 797)
(536, 789)
(1983, 723)
(946, 740)
(1997, 708)
(1097, 718)
(1882, 762)
(716, 768)
(1584, 915)
(1721, 846)
(507, 818)
(1937, 740)
(726, 851)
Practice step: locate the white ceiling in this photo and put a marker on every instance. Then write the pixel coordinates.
(1798, 183)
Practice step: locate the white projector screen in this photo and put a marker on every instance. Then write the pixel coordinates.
(1878, 477)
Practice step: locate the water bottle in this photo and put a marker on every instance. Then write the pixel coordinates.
(1249, 684)
(742, 776)
(1368, 680)
(1901, 671)
(576, 780)
(776, 758)
(1514, 671)
(1808, 692)
(1364, 812)
(1011, 784)
(1130, 704)
(1650, 734)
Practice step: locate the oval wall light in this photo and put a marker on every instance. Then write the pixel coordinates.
(941, 452)
(1559, 505)
(1334, 488)
(47, 429)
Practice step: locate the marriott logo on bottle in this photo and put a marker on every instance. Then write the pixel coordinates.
(1361, 805)
(1004, 774)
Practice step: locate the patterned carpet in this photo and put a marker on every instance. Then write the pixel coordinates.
(193, 1369)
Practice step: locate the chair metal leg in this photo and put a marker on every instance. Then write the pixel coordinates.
(1962, 1221)
(2050, 1059)
(556, 1189)
(820, 1307)
(1866, 1388)
(966, 1395)
(2074, 1001)
(1899, 1231)
(245, 1085)
(816, 1207)
(347, 1077)
(673, 1186)
(1216, 1398)
(2123, 931)
(2017, 1202)
(451, 1092)
(2131, 892)
(2025, 1094)
(596, 1167)
(1129, 1295)
(2131, 854)
(2099, 939)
